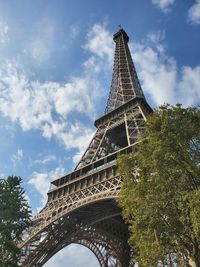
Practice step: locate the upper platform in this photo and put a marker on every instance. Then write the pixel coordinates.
(119, 33)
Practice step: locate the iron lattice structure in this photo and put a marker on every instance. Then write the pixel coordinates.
(82, 205)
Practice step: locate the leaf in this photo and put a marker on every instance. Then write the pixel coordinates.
(162, 203)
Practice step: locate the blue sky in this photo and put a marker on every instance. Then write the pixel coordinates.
(55, 72)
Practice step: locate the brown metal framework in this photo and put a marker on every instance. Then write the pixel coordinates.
(82, 205)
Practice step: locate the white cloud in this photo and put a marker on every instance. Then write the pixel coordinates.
(41, 44)
(38, 51)
(189, 86)
(156, 36)
(164, 5)
(45, 160)
(48, 106)
(78, 156)
(16, 157)
(68, 257)
(160, 78)
(33, 105)
(157, 73)
(74, 30)
(78, 137)
(3, 32)
(2, 175)
(194, 13)
(41, 180)
(99, 42)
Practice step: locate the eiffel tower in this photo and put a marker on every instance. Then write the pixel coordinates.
(82, 205)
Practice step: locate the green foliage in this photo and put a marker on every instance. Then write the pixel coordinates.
(14, 219)
(160, 195)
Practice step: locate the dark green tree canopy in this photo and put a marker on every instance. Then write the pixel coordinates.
(160, 195)
(14, 219)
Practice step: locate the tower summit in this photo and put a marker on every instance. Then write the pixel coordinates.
(125, 96)
(125, 84)
(82, 205)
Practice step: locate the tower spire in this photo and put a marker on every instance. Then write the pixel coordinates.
(125, 84)
(81, 206)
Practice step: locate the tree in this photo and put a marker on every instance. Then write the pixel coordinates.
(14, 219)
(160, 194)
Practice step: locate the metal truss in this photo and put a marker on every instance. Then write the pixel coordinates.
(121, 129)
(104, 234)
(125, 84)
(82, 205)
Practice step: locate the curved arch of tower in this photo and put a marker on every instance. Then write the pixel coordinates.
(82, 205)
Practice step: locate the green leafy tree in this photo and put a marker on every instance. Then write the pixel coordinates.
(14, 219)
(160, 195)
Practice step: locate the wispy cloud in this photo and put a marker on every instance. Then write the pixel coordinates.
(33, 105)
(48, 106)
(161, 80)
(99, 42)
(74, 31)
(156, 36)
(45, 159)
(40, 45)
(3, 32)
(16, 157)
(164, 5)
(194, 13)
(41, 181)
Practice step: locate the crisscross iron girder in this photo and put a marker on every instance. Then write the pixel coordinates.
(105, 234)
(125, 84)
(82, 205)
(121, 129)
